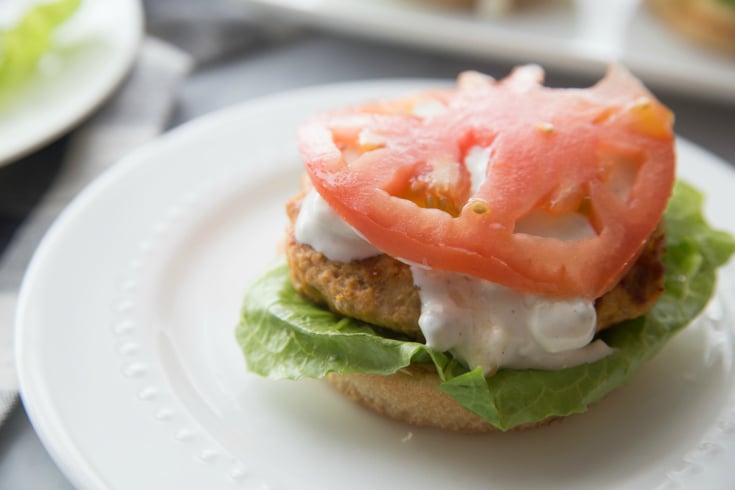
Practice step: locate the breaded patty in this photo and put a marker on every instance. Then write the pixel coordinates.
(380, 289)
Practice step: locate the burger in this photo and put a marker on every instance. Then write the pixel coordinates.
(491, 256)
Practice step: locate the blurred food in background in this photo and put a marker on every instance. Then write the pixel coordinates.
(26, 35)
(707, 22)
(711, 22)
(492, 8)
(575, 36)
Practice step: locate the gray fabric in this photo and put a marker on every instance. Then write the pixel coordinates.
(7, 402)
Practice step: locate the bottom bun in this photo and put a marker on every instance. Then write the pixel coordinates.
(412, 395)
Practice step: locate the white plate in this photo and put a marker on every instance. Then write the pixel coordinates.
(91, 54)
(579, 36)
(132, 377)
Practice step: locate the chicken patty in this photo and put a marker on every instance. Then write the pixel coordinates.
(380, 289)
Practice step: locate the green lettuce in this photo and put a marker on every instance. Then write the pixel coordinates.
(23, 45)
(284, 336)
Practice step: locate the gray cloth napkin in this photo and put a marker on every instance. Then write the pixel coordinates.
(137, 112)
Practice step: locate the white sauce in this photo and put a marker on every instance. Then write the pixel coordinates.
(491, 326)
(369, 139)
(482, 323)
(476, 162)
(566, 226)
(428, 108)
(319, 226)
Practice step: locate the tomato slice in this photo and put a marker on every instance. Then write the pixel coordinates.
(567, 187)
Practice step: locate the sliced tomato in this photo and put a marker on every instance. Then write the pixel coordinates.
(575, 179)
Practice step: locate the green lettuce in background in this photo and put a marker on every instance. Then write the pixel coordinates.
(284, 336)
(23, 45)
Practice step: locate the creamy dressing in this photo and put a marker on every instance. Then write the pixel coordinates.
(320, 227)
(369, 140)
(476, 162)
(491, 326)
(481, 323)
(566, 226)
(428, 108)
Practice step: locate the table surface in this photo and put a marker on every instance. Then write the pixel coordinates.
(248, 66)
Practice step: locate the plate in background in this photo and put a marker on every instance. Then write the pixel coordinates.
(577, 36)
(92, 53)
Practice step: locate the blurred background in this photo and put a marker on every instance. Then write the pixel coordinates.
(195, 57)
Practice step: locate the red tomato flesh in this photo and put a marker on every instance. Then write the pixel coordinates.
(598, 160)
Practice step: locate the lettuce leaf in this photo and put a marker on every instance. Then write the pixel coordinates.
(284, 336)
(23, 45)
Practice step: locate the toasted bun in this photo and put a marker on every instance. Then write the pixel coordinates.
(705, 21)
(412, 395)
